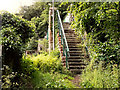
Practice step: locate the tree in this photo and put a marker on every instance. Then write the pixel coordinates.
(34, 10)
(101, 22)
(15, 34)
(38, 13)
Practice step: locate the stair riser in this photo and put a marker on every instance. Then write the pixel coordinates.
(70, 35)
(76, 55)
(76, 72)
(75, 60)
(76, 67)
(76, 52)
(75, 49)
(74, 63)
(67, 34)
(71, 38)
(81, 57)
(73, 42)
(70, 32)
(66, 25)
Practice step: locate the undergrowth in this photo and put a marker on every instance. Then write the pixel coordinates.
(46, 71)
(97, 76)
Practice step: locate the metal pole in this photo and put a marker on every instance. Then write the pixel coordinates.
(53, 29)
(49, 31)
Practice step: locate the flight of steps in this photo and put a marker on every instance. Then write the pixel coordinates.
(76, 59)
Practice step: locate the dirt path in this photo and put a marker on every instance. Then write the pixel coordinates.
(76, 80)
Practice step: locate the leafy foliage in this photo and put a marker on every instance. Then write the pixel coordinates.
(46, 71)
(15, 34)
(51, 80)
(95, 76)
(101, 22)
(11, 79)
(38, 13)
(42, 62)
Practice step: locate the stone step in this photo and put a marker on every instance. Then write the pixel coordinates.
(75, 52)
(73, 41)
(75, 49)
(76, 67)
(66, 26)
(70, 37)
(76, 71)
(73, 45)
(76, 63)
(76, 60)
(69, 30)
(76, 57)
(80, 53)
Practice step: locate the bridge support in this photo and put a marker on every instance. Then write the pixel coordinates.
(51, 35)
(50, 32)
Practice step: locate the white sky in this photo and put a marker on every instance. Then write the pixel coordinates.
(13, 5)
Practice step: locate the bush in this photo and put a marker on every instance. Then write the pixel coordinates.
(42, 62)
(11, 79)
(15, 34)
(46, 71)
(100, 77)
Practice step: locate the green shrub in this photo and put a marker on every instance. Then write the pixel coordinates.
(46, 71)
(11, 79)
(40, 62)
(99, 77)
(15, 34)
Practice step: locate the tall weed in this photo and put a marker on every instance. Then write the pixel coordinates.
(100, 77)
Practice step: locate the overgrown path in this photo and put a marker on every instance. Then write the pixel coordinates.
(76, 80)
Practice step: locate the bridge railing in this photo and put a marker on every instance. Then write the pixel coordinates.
(63, 39)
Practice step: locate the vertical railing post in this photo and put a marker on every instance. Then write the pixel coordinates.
(66, 60)
(63, 47)
(61, 37)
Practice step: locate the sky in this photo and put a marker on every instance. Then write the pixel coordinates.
(13, 5)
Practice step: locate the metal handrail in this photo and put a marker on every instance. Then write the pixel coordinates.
(63, 39)
(63, 30)
(87, 51)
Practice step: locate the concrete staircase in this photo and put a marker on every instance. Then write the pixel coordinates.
(76, 59)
